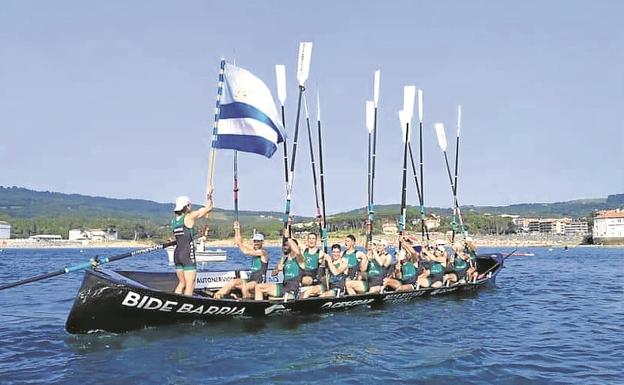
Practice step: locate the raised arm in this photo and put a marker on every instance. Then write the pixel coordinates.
(336, 270)
(238, 240)
(189, 220)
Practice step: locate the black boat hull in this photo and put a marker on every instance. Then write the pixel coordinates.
(113, 302)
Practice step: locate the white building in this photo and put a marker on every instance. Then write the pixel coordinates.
(46, 237)
(609, 226)
(5, 230)
(93, 235)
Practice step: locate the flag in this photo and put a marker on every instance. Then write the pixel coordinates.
(248, 119)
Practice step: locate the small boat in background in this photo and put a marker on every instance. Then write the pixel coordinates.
(516, 254)
(202, 253)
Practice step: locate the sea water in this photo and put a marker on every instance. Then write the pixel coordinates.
(554, 318)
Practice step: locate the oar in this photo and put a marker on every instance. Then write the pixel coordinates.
(405, 135)
(313, 163)
(442, 143)
(456, 164)
(93, 262)
(497, 264)
(280, 74)
(409, 92)
(321, 172)
(371, 209)
(423, 230)
(303, 70)
(370, 126)
(235, 188)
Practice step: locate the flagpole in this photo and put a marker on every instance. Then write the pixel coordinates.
(215, 129)
(321, 172)
(235, 188)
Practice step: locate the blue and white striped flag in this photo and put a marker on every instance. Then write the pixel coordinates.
(248, 119)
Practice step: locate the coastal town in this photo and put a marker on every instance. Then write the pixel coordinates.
(604, 228)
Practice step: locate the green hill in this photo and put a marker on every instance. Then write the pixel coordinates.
(37, 212)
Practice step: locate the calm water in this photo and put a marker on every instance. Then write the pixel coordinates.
(555, 318)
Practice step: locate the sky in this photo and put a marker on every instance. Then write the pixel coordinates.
(116, 98)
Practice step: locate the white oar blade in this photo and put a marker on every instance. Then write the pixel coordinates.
(458, 119)
(420, 105)
(404, 121)
(280, 74)
(370, 115)
(409, 94)
(439, 127)
(303, 64)
(318, 105)
(376, 87)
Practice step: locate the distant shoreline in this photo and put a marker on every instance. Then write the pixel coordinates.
(484, 241)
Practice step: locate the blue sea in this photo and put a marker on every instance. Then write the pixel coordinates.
(554, 318)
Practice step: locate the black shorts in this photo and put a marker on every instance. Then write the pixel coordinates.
(375, 281)
(184, 258)
(257, 276)
(310, 273)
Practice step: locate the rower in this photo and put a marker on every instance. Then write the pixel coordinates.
(354, 258)
(407, 268)
(259, 262)
(434, 273)
(184, 254)
(291, 264)
(376, 262)
(336, 276)
(470, 247)
(460, 263)
(312, 254)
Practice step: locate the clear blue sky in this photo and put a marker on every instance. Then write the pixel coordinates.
(115, 98)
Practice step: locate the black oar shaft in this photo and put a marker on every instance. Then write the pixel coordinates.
(285, 148)
(313, 164)
(292, 160)
(322, 177)
(86, 265)
(456, 165)
(369, 181)
(404, 185)
(372, 194)
(455, 202)
(422, 186)
(411, 156)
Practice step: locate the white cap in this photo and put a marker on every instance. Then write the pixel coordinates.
(468, 239)
(181, 202)
(258, 237)
(440, 242)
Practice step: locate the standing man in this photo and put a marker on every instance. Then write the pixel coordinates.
(184, 254)
(259, 262)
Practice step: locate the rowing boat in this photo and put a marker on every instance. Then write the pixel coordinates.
(121, 301)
